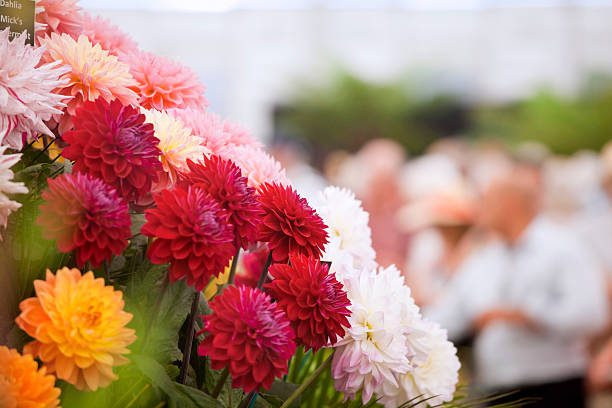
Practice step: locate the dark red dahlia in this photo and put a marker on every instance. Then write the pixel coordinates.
(85, 215)
(315, 302)
(224, 181)
(192, 232)
(289, 224)
(249, 334)
(112, 142)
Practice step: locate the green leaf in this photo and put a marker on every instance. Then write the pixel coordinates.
(272, 400)
(197, 397)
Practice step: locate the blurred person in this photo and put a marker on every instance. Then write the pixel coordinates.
(531, 298)
(489, 161)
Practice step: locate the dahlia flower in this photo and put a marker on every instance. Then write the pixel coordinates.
(258, 166)
(374, 350)
(223, 180)
(219, 137)
(93, 73)
(7, 186)
(177, 144)
(78, 326)
(100, 31)
(22, 384)
(26, 100)
(315, 302)
(164, 83)
(434, 379)
(347, 223)
(112, 142)
(83, 214)
(192, 232)
(58, 16)
(289, 224)
(250, 334)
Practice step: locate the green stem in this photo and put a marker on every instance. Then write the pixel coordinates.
(247, 401)
(155, 310)
(190, 336)
(107, 271)
(264, 272)
(232, 274)
(308, 381)
(220, 382)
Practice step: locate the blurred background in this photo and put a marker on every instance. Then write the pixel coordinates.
(436, 113)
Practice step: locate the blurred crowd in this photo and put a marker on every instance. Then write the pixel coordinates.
(510, 250)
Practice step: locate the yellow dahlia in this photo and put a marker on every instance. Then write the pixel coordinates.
(177, 144)
(22, 384)
(94, 72)
(78, 325)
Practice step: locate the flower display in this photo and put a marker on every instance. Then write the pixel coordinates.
(223, 180)
(250, 334)
(164, 83)
(289, 224)
(193, 234)
(23, 384)
(374, 351)
(93, 73)
(58, 16)
(78, 326)
(112, 142)
(100, 31)
(315, 302)
(258, 166)
(7, 186)
(176, 144)
(26, 91)
(85, 215)
(348, 227)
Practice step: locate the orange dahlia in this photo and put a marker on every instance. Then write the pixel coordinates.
(78, 325)
(22, 384)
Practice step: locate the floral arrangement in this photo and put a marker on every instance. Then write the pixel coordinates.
(157, 256)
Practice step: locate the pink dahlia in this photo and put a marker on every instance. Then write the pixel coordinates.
(93, 73)
(164, 83)
(112, 142)
(26, 97)
(85, 215)
(219, 137)
(58, 16)
(193, 233)
(258, 166)
(289, 225)
(249, 334)
(315, 302)
(223, 180)
(100, 31)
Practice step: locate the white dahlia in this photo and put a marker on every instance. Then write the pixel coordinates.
(26, 100)
(7, 186)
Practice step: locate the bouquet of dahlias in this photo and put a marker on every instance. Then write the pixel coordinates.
(155, 255)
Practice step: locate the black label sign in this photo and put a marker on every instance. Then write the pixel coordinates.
(18, 16)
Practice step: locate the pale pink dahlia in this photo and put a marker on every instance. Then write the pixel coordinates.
(26, 100)
(7, 186)
(177, 144)
(218, 136)
(58, 16)
(100, 31)
(258, 166)
(164, 83)
(93, 73)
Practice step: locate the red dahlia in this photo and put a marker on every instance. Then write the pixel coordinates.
(289, 224)
(223, 180)
(249, 334)
(112, 142)
(85, 215)
(192, 232)
(315, 302)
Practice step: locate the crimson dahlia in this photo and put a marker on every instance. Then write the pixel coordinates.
(289, 224)
(85, 215)
(192, 232)
(315, 302)
(112, 142)
(249, 334)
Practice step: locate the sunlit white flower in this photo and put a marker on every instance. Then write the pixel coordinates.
(7, 186)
